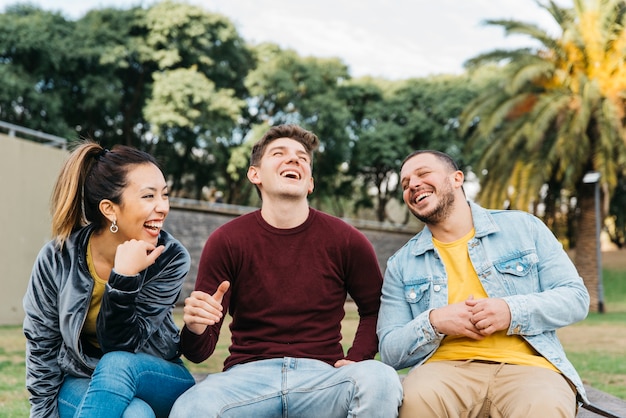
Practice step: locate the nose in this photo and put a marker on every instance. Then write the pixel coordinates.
(414, 181)
(163, 205)
(292, 157)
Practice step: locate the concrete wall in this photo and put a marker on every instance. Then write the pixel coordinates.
(28, 171)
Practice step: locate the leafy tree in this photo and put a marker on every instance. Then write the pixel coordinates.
(558, 114)
(240, 189)
(411, 114)
(433, 108)
(286, 88)
(110, 76)
(378, 142)
(180, 35)
(189, 115)
(33, 54)
(184, 37)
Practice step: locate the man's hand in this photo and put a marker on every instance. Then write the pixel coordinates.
(455, 319)
(489, 315)
(343, 362)
(202, 309)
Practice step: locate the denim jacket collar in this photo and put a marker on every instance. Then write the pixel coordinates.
(484, 224)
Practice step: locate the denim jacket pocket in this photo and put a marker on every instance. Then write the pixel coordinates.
(519, 273)
(416, 294)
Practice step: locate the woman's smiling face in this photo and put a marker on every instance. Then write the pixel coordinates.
(144, 204)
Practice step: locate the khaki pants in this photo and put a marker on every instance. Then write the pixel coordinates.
(480, 389)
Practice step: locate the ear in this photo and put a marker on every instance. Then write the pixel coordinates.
(108, 209)
(311, 186)
(458, 178)
(253, 175)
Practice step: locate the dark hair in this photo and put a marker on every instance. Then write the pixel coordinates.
(91, 174)
(442, 156)
(308, 139)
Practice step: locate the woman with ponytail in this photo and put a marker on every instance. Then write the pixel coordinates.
(101, 340)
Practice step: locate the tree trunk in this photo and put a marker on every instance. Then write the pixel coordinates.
(586, 258)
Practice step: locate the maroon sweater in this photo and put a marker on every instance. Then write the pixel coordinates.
(288, 289)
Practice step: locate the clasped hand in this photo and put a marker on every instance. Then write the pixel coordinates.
(473, 318)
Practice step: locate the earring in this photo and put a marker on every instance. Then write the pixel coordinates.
(114, 228)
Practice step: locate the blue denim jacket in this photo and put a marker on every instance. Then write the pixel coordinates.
(516, 257)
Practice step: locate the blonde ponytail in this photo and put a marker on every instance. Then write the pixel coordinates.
(68, 194)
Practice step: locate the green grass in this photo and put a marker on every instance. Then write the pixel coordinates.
(601, 370)
(596, 347)
(13, 395)
(614, 284)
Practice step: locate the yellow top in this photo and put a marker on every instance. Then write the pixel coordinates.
(463, 282)
(89, 327)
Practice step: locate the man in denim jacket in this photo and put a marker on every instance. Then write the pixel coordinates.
(472, 303)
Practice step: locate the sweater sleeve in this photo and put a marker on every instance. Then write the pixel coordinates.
(364, 282)
(213, 269)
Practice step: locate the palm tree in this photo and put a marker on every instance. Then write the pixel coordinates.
(556, 113)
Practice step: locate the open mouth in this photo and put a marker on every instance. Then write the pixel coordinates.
(153, 226)
(291, 174)
(422, 196)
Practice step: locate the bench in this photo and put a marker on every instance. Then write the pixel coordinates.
(602, 405)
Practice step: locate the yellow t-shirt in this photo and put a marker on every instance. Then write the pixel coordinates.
(89, 327)
(463, 282)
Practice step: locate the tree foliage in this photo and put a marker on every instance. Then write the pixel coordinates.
(180, 82)
(33, 58)
(556, 114)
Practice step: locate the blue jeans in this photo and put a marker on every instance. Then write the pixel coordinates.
(125, 385)
(295, 387)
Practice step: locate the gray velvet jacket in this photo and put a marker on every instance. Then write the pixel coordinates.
(136, 314)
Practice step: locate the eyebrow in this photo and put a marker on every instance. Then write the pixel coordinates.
(151, 188)
(283, 148)
(417, 170)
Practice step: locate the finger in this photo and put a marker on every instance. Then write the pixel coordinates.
(473, 333)
(155, 253)
(198, 317)
(198, 295)
(205, 315)
(342, 362)
(488, 330)
(203, 300)
(202, 304)
(221, 290)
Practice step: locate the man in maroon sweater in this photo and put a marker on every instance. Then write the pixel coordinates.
(283, 273)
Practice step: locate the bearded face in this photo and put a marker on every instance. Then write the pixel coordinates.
(437, 208)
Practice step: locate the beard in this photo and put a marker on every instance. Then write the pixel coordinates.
(440, 212)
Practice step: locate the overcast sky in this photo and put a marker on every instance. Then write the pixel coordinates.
(395, 39)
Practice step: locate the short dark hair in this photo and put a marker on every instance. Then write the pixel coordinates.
(308, 139)
(442, 156)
